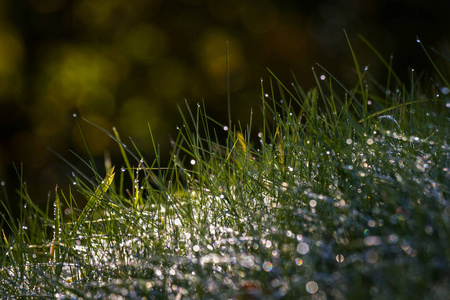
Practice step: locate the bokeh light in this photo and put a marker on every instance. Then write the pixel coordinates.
(267, 266)
(11, 62)
(102, 59)
(312, 287)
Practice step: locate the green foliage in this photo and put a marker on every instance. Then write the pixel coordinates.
(342, 195)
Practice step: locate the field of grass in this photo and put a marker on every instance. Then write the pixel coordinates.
(342, 193)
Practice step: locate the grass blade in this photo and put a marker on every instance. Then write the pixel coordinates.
(96, 197)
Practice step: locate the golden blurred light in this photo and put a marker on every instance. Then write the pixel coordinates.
(168, 78)
(211, 50)
(76, 72)
(11, 59)
(99, 13)
(47, 6)
(96, 101)
(259, 16)
(47, 121)
(143, 42)
(106, 14)
(226, 10)
(135, 114)
(97, 140)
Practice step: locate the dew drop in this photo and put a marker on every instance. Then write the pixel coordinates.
(225, 128)
(302, 248)
(267, 266)
(74, 115)
(322, 77)
(312, 287)
(340, 258)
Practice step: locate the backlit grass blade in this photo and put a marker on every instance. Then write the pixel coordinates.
(361, 75)
(382, 60)
(122, 148)
(433, 63)
(91, 157)
(97, 196)
(400, 105)
(54, 251)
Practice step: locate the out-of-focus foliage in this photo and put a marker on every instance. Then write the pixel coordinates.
(125, 63)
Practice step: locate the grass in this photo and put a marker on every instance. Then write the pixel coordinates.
(340, 194)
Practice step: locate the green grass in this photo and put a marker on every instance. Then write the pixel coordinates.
(342, 193)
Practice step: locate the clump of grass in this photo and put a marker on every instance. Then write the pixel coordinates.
(344, 194)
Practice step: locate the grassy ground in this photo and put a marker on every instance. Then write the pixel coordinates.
(344, 194)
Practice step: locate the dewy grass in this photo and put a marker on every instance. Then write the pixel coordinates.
(343, 195)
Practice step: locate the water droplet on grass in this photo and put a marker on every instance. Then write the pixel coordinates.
(312, 287)
(267, 266)
(371, 257)
(303, 248)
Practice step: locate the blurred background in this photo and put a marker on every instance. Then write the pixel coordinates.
(124, 63)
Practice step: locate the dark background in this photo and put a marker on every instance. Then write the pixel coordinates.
(124, 63)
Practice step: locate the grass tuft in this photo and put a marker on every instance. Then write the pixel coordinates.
(342, 194)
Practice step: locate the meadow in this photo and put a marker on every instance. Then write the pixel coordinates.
(341, 193)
